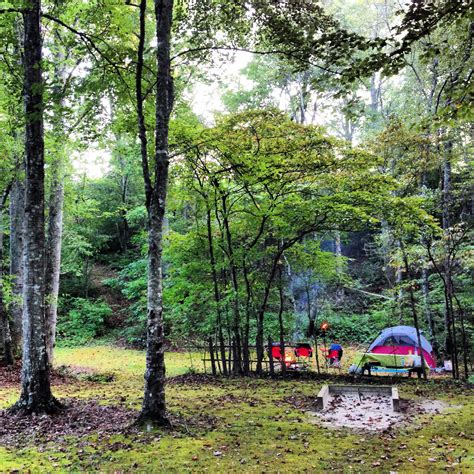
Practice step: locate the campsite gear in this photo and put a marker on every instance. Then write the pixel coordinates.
(396, 349)
(402, 340)
(333, 355)
(324, 328)
(338, 348)
(297, 355)
(393, 363)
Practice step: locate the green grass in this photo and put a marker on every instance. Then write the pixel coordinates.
(251, 427)
(124, 362)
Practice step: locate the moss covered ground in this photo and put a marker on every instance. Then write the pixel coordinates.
(235, 424)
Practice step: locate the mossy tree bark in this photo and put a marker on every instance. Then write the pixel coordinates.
(17, 220)
(153, 410)
(6, 346)
(36, 396)
(56, 200)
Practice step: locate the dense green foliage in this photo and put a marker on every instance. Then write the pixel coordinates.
(334, 182)
(82, 321)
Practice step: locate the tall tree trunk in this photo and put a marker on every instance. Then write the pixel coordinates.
(428, 314)
(447, 305)
(449, 348)
(53, 258)
(56, 201)
(5, 334)
(280, 322)
(413, 309)
(312, 312)
(36, 393)
(215, 282)
(235, 288)
(248, 312)
(263, 307)
(154, 403)
(465, 345)
(339, 269)
(399, 298)
(17, 221)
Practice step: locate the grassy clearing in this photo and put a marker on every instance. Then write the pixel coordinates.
(242, 424)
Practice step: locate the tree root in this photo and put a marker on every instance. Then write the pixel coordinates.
(27, 407)
(151, 422)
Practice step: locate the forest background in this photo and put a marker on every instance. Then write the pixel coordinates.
(302, 190)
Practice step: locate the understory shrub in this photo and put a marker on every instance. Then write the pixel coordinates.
(354, 328)
(81, 320)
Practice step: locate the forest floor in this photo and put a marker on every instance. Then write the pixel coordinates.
(229, 425)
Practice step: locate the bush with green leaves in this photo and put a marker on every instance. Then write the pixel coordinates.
(354, 328)
(81, 320)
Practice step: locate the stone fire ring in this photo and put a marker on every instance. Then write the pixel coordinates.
(328, 390)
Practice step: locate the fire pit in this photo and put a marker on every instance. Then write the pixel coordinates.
(368, 407)
(361, 391)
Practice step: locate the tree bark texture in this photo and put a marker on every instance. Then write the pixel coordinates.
(154, 404)
(17, 231)
(280, 322)
(339, 268)
(237, 366)
(6, 346)
(56, 201)
(413, 310)
(428, 313)
(36, 393)
(53, 258)
(215, 282)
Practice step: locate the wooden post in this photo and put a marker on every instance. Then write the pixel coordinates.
(235, 357)
(316, 351)
(213, 360)
(270, 357)
(218, 361)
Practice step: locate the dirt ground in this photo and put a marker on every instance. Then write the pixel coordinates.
(229, 424)
(370, 412)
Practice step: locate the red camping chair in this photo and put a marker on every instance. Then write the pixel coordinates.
(332, 358)
(297, 356)
(303, 350)
(290, 357)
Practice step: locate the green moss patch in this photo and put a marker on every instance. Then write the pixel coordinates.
(230, 424)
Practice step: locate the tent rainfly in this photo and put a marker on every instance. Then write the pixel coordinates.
(402, 340)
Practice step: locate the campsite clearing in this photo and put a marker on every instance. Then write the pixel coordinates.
(213, 416)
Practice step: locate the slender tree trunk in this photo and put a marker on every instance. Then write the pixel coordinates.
(17, 220)
(446, 199)
(36, 393)
(312, 327)
(399, 298)
(261, 313)
(413, 310)
(266, 295)
(56, 200)
(154, 403)
(465, 344)
(448, 349)
(235, 289)
(339, 269)
(215, 282)
(248, 311)
(5, 334)
(453, 324)
(449, 321)
(280, 323)
(428, 314)
(53, 260)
